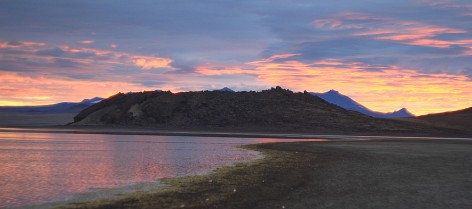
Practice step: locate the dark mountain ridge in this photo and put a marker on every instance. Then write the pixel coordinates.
(59, 107)
(275, 109)
(459, 119)
(225, 89)
(334, 97)
(44, 115)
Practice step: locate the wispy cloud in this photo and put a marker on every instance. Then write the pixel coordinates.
(373, 50)
(146, 62)
(406, 32)
(384, 89)
(87, 41)
(41, 53)
(454, 4)
(20, 44)
(17, 89)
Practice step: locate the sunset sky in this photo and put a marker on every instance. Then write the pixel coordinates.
(385, 54)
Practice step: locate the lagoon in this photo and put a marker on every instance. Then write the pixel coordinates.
(38, 168)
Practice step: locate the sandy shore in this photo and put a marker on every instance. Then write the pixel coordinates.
(396, 174)
(219, 133)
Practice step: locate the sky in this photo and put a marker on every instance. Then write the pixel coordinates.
(385, 54)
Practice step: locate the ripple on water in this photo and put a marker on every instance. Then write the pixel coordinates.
(49, 167)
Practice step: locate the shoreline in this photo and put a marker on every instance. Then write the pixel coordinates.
(331, 174)
(241, 134)
(98, 194)
(292, 170)
(189, 185)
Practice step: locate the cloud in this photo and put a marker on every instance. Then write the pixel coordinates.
(224, 70)
(66, 63)
(186, 45)
(407, 32)
(147, 63)
(273, 58)
(55, 52)
(25, 90)
(41, 58)
(20, 44)
(449, 4)
(87, 41)
(385, 89)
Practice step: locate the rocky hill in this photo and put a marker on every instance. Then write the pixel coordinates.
(276, 109)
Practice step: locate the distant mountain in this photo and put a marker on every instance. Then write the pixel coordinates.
(460, 119)
(336, 98)
(274, 110)
(225, 89)
(59, 107)
(91, 101)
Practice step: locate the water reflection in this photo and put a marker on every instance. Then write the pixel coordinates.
(44, 167)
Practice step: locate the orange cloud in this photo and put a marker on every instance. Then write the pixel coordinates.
(146, 62)
(385, 89)
(423, 36)
(20, 44)
(431, 42)
(17, 90)
(87, 41)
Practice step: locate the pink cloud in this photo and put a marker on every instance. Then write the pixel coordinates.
(273, 58)
(447, 4)
(25, 90)
(21, 44)
(147, 62)
(84, 55)
(407, 32)
(384, 89)
(87, 41)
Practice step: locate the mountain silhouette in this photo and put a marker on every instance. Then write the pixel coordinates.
(225, 89)
(273, 110)
(336, 98)
(59, 107)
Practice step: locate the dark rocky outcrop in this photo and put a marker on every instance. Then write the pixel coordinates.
(276, 109)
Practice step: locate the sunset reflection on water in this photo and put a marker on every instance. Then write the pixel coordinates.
(45, 167)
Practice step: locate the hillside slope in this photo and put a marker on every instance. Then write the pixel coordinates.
(276, 109)
(460, 119)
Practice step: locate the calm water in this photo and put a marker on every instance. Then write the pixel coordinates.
(45, 167)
